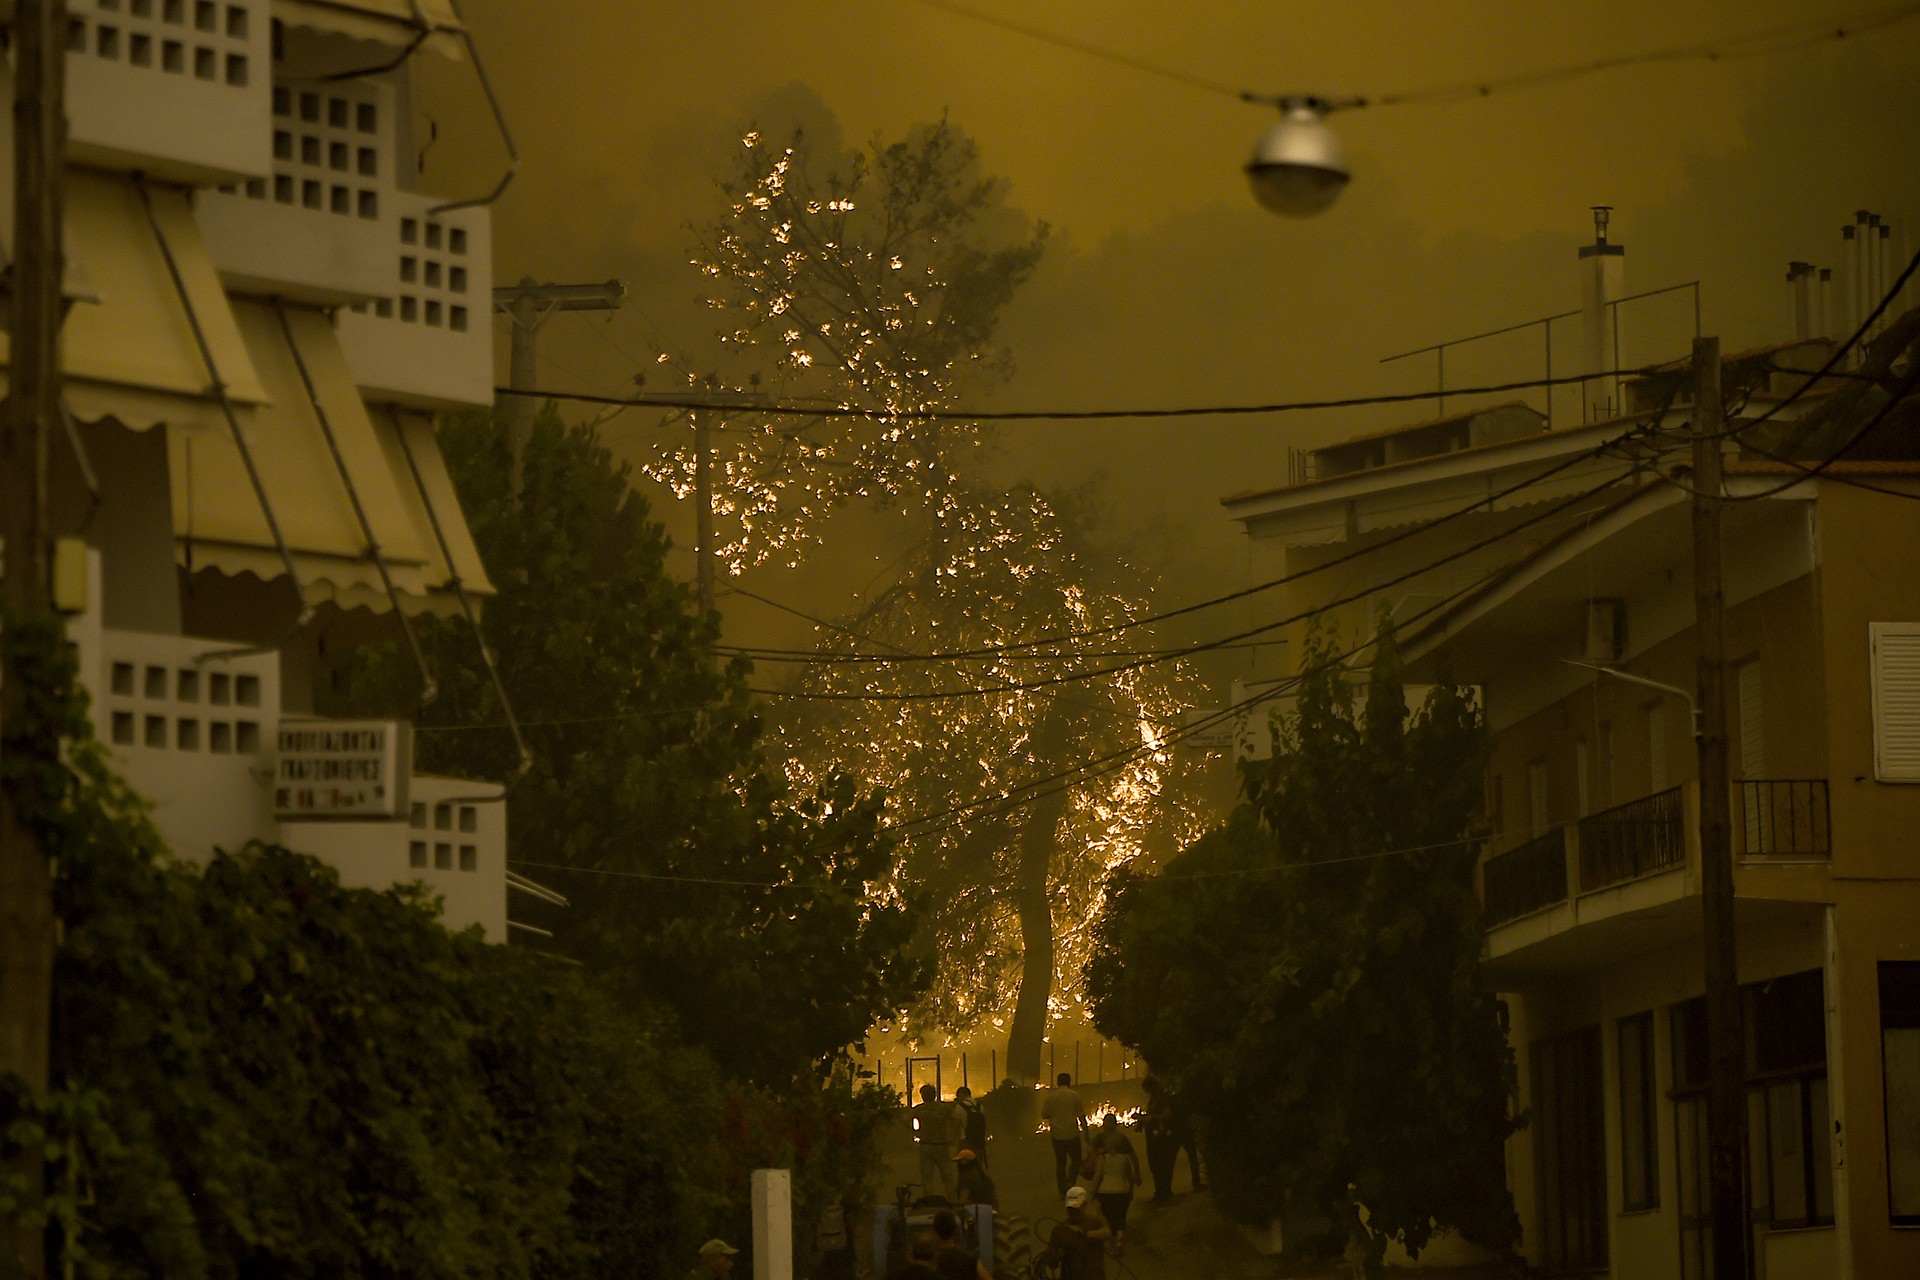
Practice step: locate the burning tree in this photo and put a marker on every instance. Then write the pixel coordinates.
(1018, 779)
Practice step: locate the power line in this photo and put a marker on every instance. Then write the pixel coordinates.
(1654, 420)
(1181, 651)
(1346, 557)
(1780, 39)
(1091, 50)
(1023, 794)
(795, 409)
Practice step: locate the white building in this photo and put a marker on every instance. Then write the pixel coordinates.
(265, 312)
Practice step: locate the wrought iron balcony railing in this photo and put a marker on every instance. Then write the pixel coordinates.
(1526, 879)
(1782, 818)
(1632, 840)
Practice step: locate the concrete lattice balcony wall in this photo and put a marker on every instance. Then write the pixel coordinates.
(192, 731)
(177, 89)
(426, 342)
(453, 840)
(321, 228)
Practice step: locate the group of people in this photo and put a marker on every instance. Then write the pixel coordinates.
(1095, 1166)
(1098, 1171)
(952, 1141)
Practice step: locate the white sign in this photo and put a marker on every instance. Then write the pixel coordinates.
(342, 768)
(1208, 730)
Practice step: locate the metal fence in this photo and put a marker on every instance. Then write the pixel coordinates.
(1525, 879)
(1632, 840)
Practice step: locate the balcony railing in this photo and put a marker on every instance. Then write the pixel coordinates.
(1783, 817)
(1523, 880)
(1632, 840)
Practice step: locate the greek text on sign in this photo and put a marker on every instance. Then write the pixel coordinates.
(342, 768)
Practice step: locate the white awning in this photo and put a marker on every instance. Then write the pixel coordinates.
(218, 521)
(127, 348)
(396, 23)
(403, 431)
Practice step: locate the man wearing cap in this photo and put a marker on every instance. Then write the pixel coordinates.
(716, 1260)
(1080, 1241)
(975, 1186)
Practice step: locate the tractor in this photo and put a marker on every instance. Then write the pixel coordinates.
(1003, 1241)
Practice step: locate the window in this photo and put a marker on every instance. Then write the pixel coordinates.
(1895, 650)
(1788, 1128)
(1900, 1062)
(1496, 804)
(1687, 1033)
(1639, 1156)
(1790, 1161)
(1569, 1151)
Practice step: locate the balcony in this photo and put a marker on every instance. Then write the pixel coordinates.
(1643, 856)
(172, 88)
(451, 837)
(426, 341)
(195, 726)
(1639, 838)
(321, 227)
(1530, 878)
(191, 725)
(1782, 819)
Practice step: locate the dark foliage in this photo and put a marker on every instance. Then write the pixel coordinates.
(1308, 974)
(700, 883)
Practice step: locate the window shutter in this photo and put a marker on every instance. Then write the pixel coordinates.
(1896, 700)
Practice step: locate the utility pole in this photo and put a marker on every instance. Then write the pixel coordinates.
(702, 407)
(529, 305)
(27, 923)
(702, 511)
(1726, 1100)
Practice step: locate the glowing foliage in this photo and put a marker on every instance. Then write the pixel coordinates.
(877, 280)
(874, 280)
(1010, 566)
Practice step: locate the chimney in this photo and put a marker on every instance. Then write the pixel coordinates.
(1889, 270)
(1800, 290)
(1826, 303)
(1850, 295)
(1876, 276)
(1862, 273)
(1602, 284)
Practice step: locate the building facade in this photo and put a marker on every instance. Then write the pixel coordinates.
(1552, 569)
(264, 312)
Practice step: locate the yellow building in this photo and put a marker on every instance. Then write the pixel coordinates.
(1552, 569)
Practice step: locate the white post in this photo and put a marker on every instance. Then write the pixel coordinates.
(772, 1224)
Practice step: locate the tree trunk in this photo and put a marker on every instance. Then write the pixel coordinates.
(1029, 1029)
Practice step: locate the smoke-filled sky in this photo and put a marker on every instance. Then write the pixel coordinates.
(1163, 283)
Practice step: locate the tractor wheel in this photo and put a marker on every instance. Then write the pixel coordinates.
(1013, 1250)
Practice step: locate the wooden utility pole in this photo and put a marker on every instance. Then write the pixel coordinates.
(27, 924)
(529, 305)
(702, 408)
(702, 511)
(1726, 1098)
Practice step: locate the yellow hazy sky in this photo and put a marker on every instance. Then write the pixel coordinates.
(1164, 284)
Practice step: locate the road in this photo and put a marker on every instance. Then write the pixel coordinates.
(1179, 1241)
